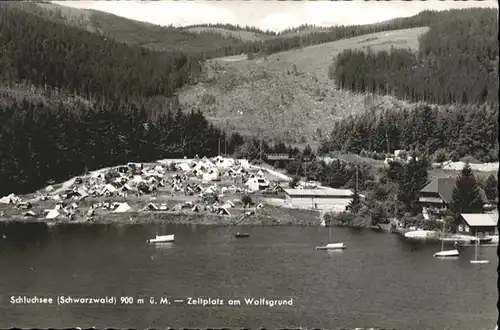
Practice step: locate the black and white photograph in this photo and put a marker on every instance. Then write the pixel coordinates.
(249, 164)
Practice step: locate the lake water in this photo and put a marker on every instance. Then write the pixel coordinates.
(380, 280)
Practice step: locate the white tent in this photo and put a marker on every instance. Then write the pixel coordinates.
(52, 214)
(159, 169)
(108, 188)
(184, 167)
(224, 211)
(11, 199)
(228, 205)
(123, 207)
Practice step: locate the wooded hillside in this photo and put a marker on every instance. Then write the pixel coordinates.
(449, 132)
(54, 54)
(210, 44)
(122, 113)
(457, 62)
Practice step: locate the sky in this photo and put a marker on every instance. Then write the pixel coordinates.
(269, 15)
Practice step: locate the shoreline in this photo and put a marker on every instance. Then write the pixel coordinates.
(265, 217)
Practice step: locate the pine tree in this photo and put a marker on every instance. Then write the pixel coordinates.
(355, 203)
(466, 196)
(491, 187)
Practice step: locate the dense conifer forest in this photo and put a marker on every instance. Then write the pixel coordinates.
(457, 62)
(56, 55)
(457, 66)
(42, 141)
(207, 46)
(448, 133)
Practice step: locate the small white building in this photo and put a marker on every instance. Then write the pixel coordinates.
(329, 199)
(256, 184)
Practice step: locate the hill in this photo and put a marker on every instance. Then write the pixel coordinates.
(209, 41)
(286, 95)
(72, 100)
(456, 67)
(457, 62)
(237, 34)
(130, 31)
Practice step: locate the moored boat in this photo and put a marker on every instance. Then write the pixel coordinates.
(481, 240)
(421, 234)
(332, 246)
(447, 254)
(162, 239)
(241, 235)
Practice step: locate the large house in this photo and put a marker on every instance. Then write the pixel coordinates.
(437, 195)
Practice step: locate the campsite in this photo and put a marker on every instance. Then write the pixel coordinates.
(202, 191)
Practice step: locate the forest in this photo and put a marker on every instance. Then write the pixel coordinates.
(210, 45)
(42, 141)
(86, 64)
(451, 132)
(122, 113)
(457, 62)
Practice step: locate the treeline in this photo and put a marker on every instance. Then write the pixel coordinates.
(457, 62)
(232, 27)
(335, 33)
(455, 131)
(306, 164)
(42, 142)
(206, 46)
(61, 56)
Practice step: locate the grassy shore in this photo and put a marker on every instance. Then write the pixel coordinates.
(267, 216)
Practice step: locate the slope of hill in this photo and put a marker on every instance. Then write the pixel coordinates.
(213, 42)
(130, 31)
(241, 34)
(457, 62)
(72, 100)
(286, 95)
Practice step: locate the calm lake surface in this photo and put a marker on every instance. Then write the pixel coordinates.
(380, 280)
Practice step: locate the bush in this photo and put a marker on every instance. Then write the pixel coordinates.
(440, 156)
(210, 198)
(172, 167)
(246, 200)
(454, 156)
(294, 182)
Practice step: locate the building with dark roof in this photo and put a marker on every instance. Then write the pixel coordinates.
(439, 193)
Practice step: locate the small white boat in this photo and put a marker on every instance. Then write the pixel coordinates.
(421, 234)
(332, 246)
(447, 254)
(476, 261)
(161, 239)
